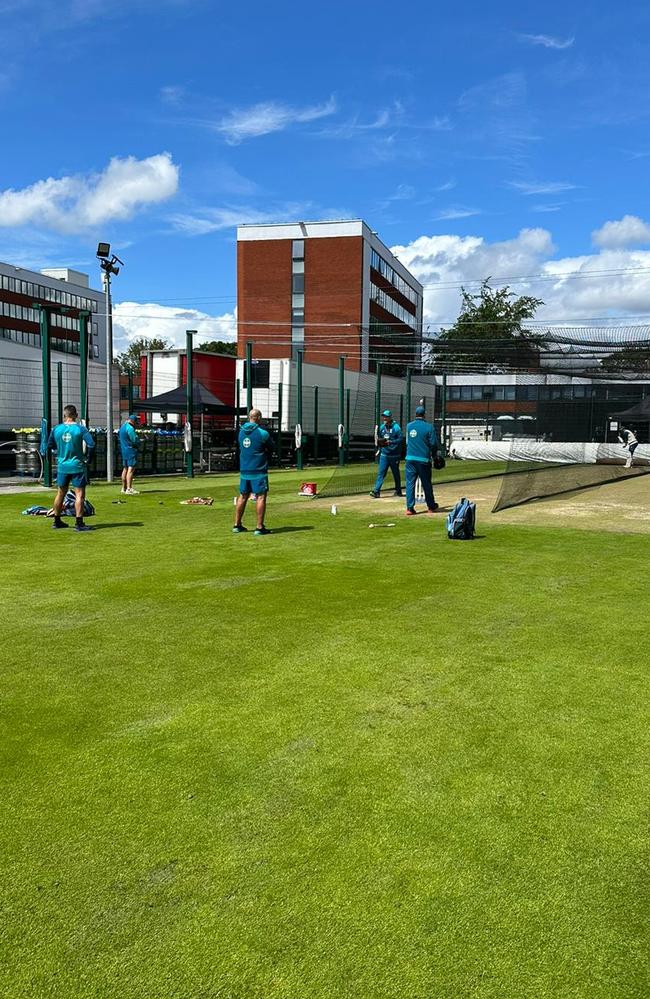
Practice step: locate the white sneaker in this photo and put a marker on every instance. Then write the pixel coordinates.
(132, 492)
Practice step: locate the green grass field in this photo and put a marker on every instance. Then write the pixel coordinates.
(331, 763)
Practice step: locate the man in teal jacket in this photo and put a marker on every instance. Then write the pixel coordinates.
(255, 446)
(421, 445)
(389, 440)
(129, 445)
(68, 439)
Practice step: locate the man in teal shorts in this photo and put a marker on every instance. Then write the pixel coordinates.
(255, 446)
(129, 445)
(68, 439)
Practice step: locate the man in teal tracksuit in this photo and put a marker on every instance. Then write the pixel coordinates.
(255, 446)
(129, 445)
(421, 444)
(389, 440)
(68, 439)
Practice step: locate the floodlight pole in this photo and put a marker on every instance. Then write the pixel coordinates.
(106, 277)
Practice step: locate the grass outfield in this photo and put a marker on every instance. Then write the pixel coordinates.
(330, 763)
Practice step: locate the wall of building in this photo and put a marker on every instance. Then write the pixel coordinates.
(21, 387)
(264, 297)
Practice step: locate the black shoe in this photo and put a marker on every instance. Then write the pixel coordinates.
(262, 530)
(59, 525)
(374, 494)
(398, 492)
(239, 529)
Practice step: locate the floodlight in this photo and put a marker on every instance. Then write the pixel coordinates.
(103, 250)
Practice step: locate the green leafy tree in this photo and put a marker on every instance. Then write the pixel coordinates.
(490, 330)
(129, 360)
(628, 359)
(219, 347)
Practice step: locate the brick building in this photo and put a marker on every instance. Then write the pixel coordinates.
(328, 288)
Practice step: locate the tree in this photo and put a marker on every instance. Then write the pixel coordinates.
(490, 330)
(129, 360)
(628, 359)
(219, 347)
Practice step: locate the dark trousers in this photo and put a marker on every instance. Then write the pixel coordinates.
(386, 462)
(418, 470)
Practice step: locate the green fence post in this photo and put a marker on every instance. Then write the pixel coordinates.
(129, 391)
(237, 402)
(189, 416)
(59, 391)
(342, 421)
(299, 459)
(44, 322)
(401, 410)
(315, 422)
(378, 395)
(249, 375)
(444, 409)
(408, 395)
(280, 393)
(348, 425)
(83, 366)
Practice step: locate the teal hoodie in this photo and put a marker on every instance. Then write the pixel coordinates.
(255, 444)
(421, 440)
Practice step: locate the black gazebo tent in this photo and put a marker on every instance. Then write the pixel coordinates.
(175, 401)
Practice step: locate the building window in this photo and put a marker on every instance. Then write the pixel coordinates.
(298, 283)
(298, 249)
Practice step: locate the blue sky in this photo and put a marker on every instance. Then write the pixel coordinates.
(479, 139)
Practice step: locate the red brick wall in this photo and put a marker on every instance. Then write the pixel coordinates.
(333, 289)
(264, 296)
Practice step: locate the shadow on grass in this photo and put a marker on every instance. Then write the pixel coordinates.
(124, 523)
(290, 530)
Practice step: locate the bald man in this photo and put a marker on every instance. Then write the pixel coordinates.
(255, 446)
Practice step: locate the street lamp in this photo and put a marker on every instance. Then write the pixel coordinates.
(107, 262)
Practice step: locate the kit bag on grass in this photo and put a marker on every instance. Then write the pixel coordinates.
(461, 521)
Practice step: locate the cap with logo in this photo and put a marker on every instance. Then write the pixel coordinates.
(420, 410)
(387, 413)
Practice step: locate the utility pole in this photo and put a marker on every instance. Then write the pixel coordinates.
(107, 262)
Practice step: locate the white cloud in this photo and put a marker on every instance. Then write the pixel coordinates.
(267, 117)
(214, 219)
(135, 319)
(612, 282)
(72, 204)
(456, 212)
(628, 231)
(548, 41)
(541, 186)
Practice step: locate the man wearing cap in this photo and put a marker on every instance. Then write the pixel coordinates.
(421, 444)
(129, 447)
(389, 441)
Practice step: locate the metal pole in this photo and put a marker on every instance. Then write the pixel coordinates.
(315, 422)
(83, 366)
(342, 420)
(280, 392)
(299, 460)
(189, 416)
(109, 378)
(443, 414)
(237, 402)
(401, 410)
(47, 391)
(249, 375)
(130, 391)
(378, 395)
(59, 391)
(408, 395)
